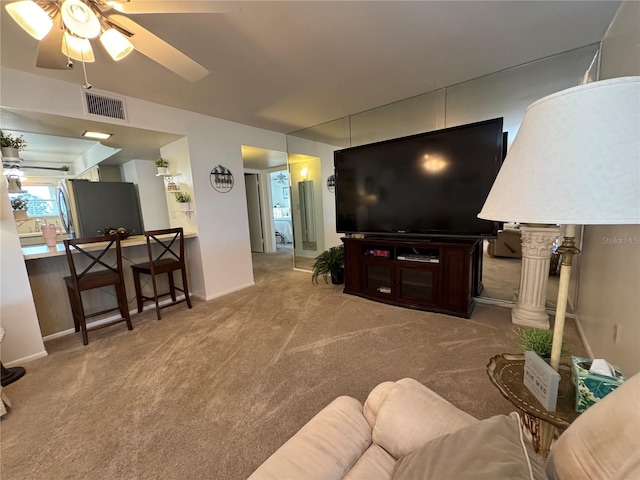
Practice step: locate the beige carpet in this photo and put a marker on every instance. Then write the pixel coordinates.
(211, 392)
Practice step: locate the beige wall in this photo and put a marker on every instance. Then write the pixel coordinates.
(609, 301)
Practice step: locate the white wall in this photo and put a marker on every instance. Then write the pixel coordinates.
(608, 301)
(23, 340)
(151, 192)
(221, 255)
(177, 153)
(502, 94)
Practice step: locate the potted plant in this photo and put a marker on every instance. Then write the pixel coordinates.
(539, 341)
(330, 262)
(163, 166)
(20, 205)
(10, 145)
(183, 199)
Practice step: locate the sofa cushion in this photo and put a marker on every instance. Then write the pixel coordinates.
(410, 415)
(493, 448)
(325, 448)
(374, 464)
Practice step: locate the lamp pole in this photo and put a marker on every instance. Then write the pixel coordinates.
(567, 249)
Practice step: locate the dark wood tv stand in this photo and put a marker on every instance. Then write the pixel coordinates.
(438, 275)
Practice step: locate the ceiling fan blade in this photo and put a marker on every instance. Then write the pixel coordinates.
(173, 6)
(64, 168)
(160, 51)
(49, 53)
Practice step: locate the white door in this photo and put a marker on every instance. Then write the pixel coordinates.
(253, 208)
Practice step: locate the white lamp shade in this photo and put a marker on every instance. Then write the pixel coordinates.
(116, 44)
(31, 17)
(575, 159)
(77, 48)
(80, 19)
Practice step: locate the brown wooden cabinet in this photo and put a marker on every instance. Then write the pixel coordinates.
(434, 275)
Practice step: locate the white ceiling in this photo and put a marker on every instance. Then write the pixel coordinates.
(288, 65)
(57, 141)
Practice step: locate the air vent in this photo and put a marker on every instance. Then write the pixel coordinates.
(105, 106)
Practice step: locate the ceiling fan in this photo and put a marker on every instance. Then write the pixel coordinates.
(65, 28)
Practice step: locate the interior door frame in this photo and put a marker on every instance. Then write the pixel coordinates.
(268, 229)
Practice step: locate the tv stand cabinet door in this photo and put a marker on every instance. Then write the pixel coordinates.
(457, 280)
(352, 270)
(378, 278)
(417, 284)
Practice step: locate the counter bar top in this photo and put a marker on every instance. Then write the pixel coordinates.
(33, 252)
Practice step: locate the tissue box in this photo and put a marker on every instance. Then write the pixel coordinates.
(592, 387)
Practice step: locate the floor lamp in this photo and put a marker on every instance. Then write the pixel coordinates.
(575, 161)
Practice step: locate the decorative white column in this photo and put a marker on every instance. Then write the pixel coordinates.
(537, 242)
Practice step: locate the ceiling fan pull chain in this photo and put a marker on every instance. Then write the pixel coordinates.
(86, 85)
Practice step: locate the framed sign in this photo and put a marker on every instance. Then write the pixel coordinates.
(221, 179)
(541, 380)
(285, 192)
(331, 183)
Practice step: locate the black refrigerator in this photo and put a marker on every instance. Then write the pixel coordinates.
(87, 208)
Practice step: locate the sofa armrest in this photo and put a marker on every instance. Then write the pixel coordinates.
(374, 400)
(409, 415)
(325, 448)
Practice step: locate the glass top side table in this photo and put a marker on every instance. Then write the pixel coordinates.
(506, 372)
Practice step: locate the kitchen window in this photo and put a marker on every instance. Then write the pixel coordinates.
(42, 199)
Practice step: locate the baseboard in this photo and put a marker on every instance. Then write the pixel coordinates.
(494, 301)
(108, 319)
(27, 359)
(583, 337)
(226, 292)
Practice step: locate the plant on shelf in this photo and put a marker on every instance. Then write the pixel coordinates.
(19, 203)
(162, 162)
(539, 341)
(163, 166)
(330, 263)
(182, 197)
(11, 145)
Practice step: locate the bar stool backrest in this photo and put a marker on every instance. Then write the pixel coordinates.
(94, 255)
(169, 248)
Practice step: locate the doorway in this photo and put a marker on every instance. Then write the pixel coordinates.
(268, 204)
(281, 208)
(256, 232)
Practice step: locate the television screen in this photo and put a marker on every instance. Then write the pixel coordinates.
(431, 184)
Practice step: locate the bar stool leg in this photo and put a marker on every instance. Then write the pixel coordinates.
(185, 286)
(136, 283)
(123, 305)
(155, 296)
(172, 286)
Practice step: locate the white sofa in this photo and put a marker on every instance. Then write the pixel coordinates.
(406, 431)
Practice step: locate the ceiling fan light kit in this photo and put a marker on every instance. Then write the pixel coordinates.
(116, 44)
(68, 25)
(77, 48)
(31, 17)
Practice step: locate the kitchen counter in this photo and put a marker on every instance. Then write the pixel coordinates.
(31, 252)
(47, 267)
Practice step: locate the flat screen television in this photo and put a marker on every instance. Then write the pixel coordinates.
(430, 184)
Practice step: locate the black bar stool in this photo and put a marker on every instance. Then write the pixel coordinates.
(170, 245)
(93, 250)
